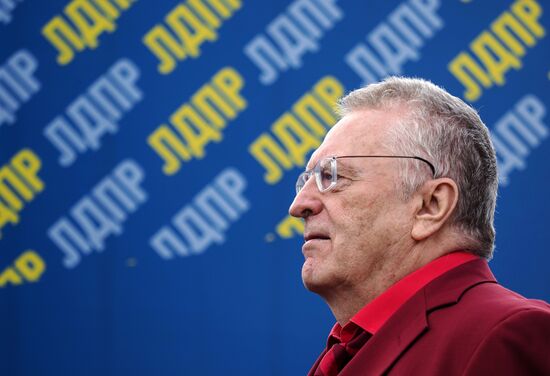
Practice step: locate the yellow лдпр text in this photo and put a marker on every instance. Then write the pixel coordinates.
(84, 22)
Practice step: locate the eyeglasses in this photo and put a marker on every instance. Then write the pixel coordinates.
(326, 171)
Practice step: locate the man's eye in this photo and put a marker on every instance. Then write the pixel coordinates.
(326, 176)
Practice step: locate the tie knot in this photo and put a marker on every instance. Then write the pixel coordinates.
(339, 354)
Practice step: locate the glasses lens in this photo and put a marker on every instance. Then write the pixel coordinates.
(327, 173)
(302, 180)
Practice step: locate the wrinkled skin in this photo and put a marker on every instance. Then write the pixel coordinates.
(360, 231)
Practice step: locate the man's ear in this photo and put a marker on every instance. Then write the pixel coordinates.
(437, 200)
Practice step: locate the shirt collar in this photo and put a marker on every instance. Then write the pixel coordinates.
(344, 334)
(375, 314)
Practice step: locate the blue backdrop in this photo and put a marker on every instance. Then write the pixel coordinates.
(149, 152)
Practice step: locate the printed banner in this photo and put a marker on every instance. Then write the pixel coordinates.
(149, 152)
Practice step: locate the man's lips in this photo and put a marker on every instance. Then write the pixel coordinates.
(315, 236)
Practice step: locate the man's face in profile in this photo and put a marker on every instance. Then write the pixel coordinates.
(353, 230)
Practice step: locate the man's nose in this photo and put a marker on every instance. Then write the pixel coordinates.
(306, 202)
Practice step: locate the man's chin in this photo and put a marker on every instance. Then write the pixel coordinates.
(314, 282)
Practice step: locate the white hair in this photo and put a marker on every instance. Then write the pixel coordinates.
(444, 130)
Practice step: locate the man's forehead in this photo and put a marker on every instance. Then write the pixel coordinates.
(323, 151)
(348, 137)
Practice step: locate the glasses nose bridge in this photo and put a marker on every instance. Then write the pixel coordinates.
(309, 175)
(303, 180)
(307, 200)
(316, 172)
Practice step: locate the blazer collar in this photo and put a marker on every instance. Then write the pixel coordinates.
(410, 321)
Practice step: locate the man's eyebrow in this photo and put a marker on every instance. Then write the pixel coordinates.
(343, 166)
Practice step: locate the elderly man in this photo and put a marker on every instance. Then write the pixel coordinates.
(398, 204)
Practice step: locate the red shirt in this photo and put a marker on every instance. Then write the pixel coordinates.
(373, 316)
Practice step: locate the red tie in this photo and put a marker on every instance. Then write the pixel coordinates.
(339, 354)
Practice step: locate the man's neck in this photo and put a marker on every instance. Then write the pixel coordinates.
(346, 301)
(345, 304)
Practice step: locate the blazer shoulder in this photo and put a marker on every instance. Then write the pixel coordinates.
(473, 287)
(487, 330)
(517, 344)
(500, 300)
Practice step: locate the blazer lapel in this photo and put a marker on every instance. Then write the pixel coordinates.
(407, 324)
(411, 321)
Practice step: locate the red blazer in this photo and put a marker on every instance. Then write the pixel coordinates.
(462, 323)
